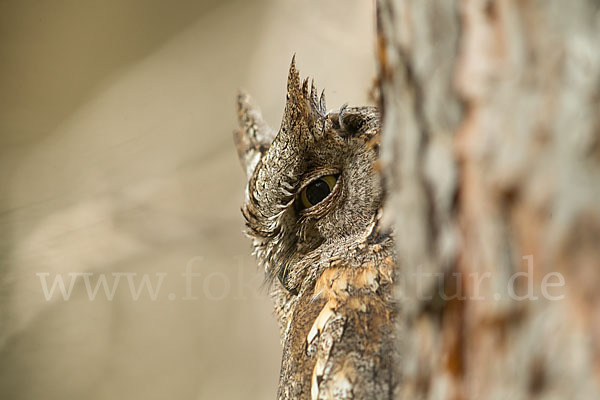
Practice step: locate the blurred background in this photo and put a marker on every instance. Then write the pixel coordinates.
(117, 163)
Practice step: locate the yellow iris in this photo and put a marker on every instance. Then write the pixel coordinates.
(317, 190)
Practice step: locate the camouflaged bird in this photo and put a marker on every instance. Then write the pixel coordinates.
(313, 209)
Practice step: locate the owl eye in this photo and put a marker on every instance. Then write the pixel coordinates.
(317, 191)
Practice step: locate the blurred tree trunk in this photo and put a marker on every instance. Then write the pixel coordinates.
(491, 131)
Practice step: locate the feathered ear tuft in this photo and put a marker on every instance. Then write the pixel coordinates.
(253, 136)
(295, 103)
(293, 82)
(304, 112)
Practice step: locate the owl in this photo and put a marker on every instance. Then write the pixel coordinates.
(313, 206)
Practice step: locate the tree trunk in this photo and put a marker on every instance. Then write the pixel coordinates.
(491, 149)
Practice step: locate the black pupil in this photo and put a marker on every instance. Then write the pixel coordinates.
(317, 191)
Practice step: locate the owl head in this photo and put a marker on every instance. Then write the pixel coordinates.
(314, 190)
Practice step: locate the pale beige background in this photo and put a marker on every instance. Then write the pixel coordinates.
(116, 156)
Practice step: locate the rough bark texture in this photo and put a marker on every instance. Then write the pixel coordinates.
(491, 129)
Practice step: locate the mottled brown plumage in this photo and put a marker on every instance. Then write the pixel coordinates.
(329, 263)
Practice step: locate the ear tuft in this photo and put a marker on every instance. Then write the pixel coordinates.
(304, 113)
(253, 136)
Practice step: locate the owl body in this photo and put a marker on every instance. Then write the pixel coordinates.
(313, 210)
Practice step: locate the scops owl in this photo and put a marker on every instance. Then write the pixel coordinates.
(313, 209)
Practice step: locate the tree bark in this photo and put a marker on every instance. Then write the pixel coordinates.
(491, 150)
